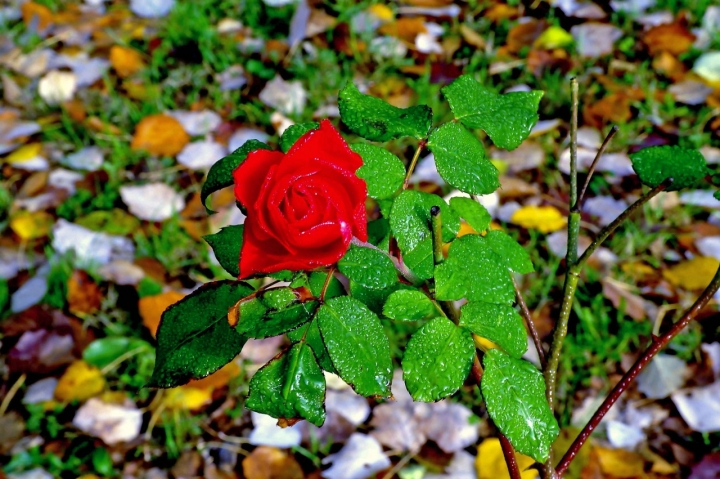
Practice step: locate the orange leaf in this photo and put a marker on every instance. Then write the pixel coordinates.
(32, 10)
(160, 135)
(614, 108)
(126, 61)
(152, 307)
(406, 28)
(84, 295)
(217, 379)
(268, 462)
(673, 38)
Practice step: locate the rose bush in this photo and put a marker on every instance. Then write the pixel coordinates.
(303, 207)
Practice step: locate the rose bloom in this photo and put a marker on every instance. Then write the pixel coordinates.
(303, 207)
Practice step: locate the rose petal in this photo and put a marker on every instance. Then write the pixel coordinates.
(252, 174)
(325, 145)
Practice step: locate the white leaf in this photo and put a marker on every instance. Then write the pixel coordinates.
(713, 351)
(624, 436)
(40, 391)
(361, 457)
(122, 272)
(462, 466)
(702, 198)
(153, 201)
(151, 8)
(606, 208)
(201, 155)
(664, 375)
(451, 426)
(287, 97)
(91, 247)
(31, 292)
(700, 408)
(89, 158)
(110, 422)
(396, 427)
(268, 433)
(197, 123)
(708, 66)
(243, 135)
(690, 92)
(57, 86)
(595, 39)
(348, 404)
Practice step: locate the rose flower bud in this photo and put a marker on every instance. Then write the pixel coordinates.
(303, 207)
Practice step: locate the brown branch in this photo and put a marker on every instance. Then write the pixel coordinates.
(510, 459)
(656, 345)
(596, 160)
(530, 324)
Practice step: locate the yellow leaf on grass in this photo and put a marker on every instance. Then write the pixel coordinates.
(126, 61)
(152, 307)
(545, 219)
(187, 398)
(160, 135)
(24, 153)
(29, 226)
(32, 11)
(553, 37)
(490, 462)
(693, 274)
(81, 381)
(217, 379)
(381, 12)
(620, 463)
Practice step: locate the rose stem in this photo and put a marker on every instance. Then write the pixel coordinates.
(655, 346)
(596, 160)
(436, 219)
(529, 323)
(327, 283)
(507, 448)
(413, 163)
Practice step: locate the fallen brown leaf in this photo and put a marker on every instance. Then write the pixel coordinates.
(160, 135)
(271, 463)
(673, 38)
(84, 295)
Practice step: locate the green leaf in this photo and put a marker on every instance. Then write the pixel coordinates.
(379, 233)
(657, 163)
(461, 160)
(104, 351)
(473, 271)
(500, 323)
(290, 387)
(316, 283)
(226, 245)
(473, 212)
(257, 320)
(221, 173)
(368, 267)
(311, 334)
(515, 256)
(410, 224)
(382, 171)
(409, 305)
(437, 360)
(374, 298)
(716, 195)
(507, 119)
(294, 132)
(514, 392)
(195, 338)
(357, 345)
(377, 120)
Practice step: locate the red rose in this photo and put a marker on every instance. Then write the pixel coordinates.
(303, 207)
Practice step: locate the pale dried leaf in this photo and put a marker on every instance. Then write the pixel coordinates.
(110, 422)
(153, 201)
(361, 457)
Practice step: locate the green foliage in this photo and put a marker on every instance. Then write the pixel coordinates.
(500, 323)
(471, 271)
(290, 387)
(476, 215)
(382, 171)
(409, 305)
(221, 173)
(259, 318)
(437, 360)
(512, 254)
(514, 392)
(507, 119)
(410, 224)
(657, 163)
(195, 338)
(377, 120)
(294, 132)
(368, 267)
(226, 245)
(310, 333)
(104, 351)
(357, 345)
(461, 160)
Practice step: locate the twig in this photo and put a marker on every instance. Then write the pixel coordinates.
(510, 459)
(656, 345)
(436, 220)
(413, 163)
(529, 323)
(123, 357)
(327, 283)
(573, 226)
(401, 463)
(571, 281)
(11, 393)
(591, 171)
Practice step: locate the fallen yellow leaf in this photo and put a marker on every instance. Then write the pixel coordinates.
(31, 11)
(126, 61)
(152, 307)
(29, 226)
(187, 398)
(693, 274)
(553, 37)
(620, 463)
(490, 462)
(545, 219)
(381, 12)
(81, 381)
(160, 135)
(24, 153)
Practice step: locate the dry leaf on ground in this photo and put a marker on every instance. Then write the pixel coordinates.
(81, 381)
(110, 422)
(160, 135)
(152, 307)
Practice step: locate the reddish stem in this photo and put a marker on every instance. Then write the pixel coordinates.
(510, 459)
(656, 345)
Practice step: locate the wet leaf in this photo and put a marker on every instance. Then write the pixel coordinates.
(500, 323)
(368, 267)
(409, 305)
(657, 163)
(437, 360)
(515, 256)
(292, 134)
(476, 215)
(226, 245)
(382, 171)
